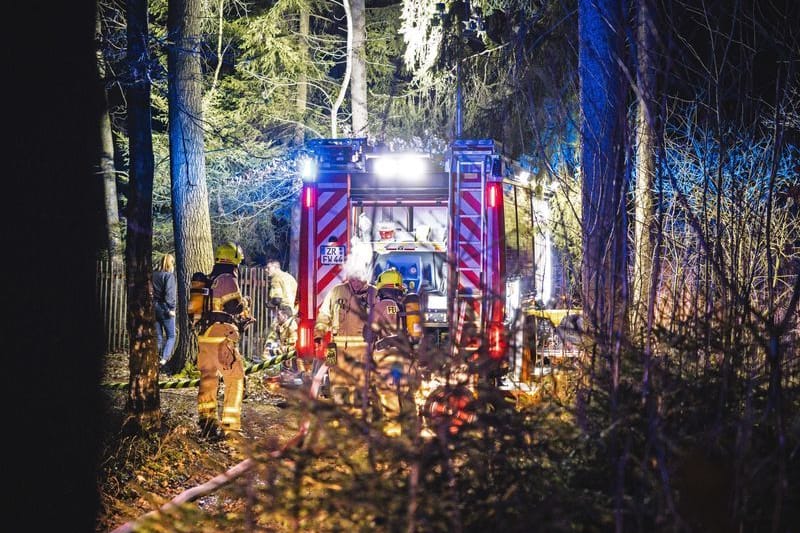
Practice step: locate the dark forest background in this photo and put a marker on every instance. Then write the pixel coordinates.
(706, 403)
(53, 220)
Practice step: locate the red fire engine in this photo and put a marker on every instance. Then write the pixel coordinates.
(451, 227)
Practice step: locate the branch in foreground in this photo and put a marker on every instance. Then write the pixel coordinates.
(234, 472)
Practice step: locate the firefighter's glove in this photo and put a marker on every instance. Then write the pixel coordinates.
(271, 348)
(244, 321)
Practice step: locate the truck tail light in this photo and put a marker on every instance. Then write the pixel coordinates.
(493, 191)
(308, 196)
(305, 338)
(497, 343)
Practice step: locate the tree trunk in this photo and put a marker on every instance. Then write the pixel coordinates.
(143, 396)
(110, 198)
(53, 333)
(347, 71)
(358, 79)
(301, 100)
(604, 180)
(644, 217)
(604, 222)
(294, 239)
(299, 138)
(106, 167)
(190, 210)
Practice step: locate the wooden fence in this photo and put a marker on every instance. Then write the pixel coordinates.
(113, 299)
(112, 296)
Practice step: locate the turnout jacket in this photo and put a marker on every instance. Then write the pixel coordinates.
(283, 286)
(344, 310)
(227, 303)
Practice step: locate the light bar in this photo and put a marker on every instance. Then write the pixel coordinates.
(437, 302)
(409, 167)
(385, 167)
(413, 166)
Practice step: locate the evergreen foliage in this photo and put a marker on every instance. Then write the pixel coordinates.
(701, 430)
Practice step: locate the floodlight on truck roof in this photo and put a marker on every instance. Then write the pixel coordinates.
(404, 167)
(308, 168)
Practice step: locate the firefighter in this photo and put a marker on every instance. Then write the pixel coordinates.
(281, 341)
(282, 289)
(342, 318)
(224, 319)
(392, 352)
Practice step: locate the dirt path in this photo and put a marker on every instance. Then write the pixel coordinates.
(138, 477)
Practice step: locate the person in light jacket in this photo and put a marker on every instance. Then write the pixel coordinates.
(340, 324)
(282, 285)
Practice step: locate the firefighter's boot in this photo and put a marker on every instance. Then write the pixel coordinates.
(209, 428)
(207, 415)
(232, 406)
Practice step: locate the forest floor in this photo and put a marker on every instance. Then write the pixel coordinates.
(141, 475)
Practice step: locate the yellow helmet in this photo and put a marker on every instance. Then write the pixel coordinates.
(389, 279)
(229, 253)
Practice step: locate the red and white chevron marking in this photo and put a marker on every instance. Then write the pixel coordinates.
(470, 202)
(332, 215)
(469, 241)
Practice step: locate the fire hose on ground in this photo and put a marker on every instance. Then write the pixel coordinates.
(238, 470)
(451, 404)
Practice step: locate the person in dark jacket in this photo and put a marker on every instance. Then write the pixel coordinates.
(165, 296)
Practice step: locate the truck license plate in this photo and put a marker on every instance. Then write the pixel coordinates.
(332, 255)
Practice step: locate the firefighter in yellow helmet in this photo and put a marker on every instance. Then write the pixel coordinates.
(392, 353)
(225, 315)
